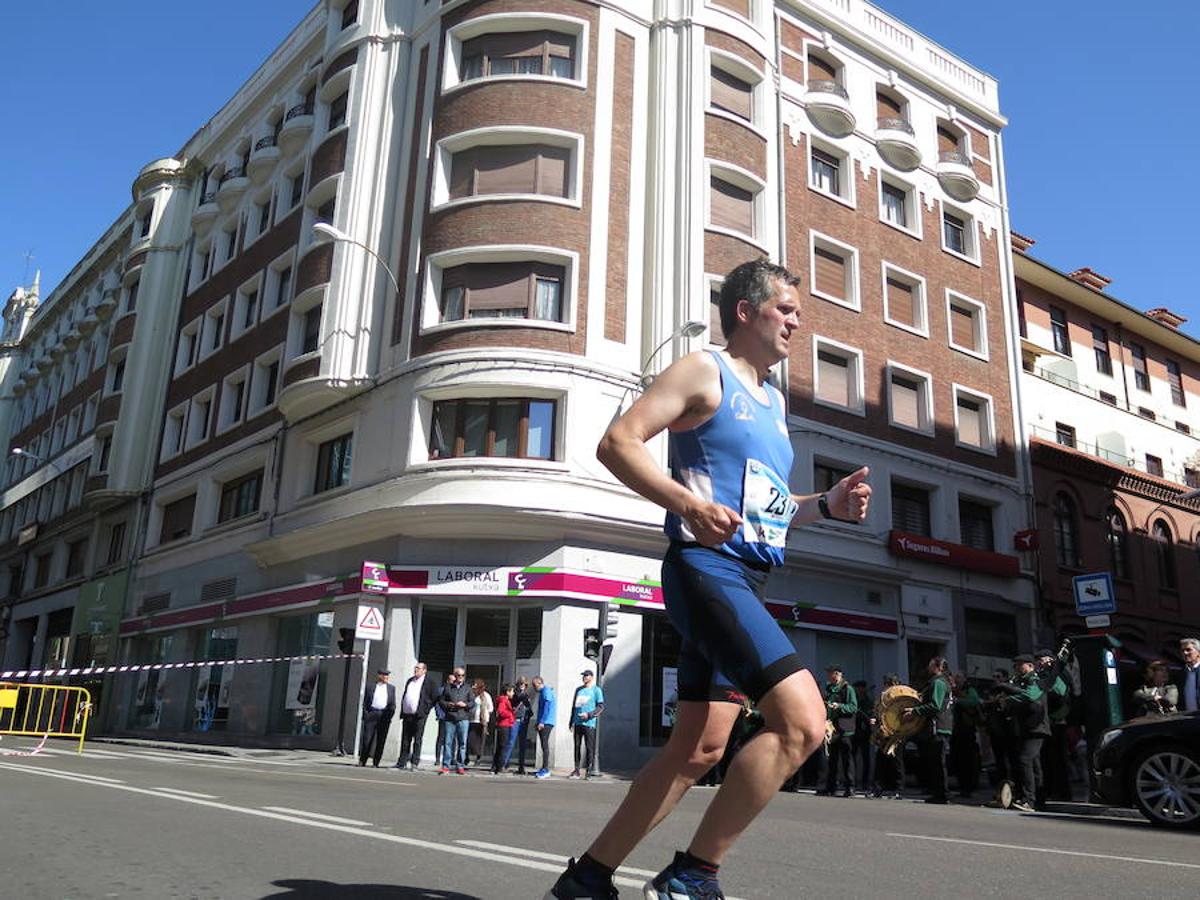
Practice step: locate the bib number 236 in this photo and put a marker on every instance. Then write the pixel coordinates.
(767, 505)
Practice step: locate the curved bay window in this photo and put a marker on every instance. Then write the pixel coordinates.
(1118, 543)
(511, 427)
(1164, 555)
(516, 290)
(1066, 532)
(519, 53)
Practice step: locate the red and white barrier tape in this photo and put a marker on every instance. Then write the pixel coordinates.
(195, 664)
(34, 752)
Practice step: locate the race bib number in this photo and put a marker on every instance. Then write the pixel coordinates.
(767, 505)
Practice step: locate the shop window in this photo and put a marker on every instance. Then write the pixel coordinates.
(214, 683)
(659, 680)
(299, 687)
(439, 630)
(507, 427)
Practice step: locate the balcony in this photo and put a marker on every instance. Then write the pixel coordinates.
(897, 143)
(31, 375)
(263, 159)
(58, 351)
(107, 304)
(828, 107)
(89, 322)
(232, 186)
(955, 175)
(18, 387)
(297, 126)
(44, 363)
(72, 338)
(205, 214)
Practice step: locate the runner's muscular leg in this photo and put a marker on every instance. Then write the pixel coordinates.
(794, 716)
(697, 743)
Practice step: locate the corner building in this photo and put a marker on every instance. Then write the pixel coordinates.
(558, 187)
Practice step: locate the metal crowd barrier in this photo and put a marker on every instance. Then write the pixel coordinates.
(44, 710)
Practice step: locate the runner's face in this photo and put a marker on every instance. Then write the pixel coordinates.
(776, 319)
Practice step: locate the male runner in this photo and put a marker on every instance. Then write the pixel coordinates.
(728, 511)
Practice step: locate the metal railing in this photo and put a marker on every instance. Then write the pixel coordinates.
(300, 109)
(891, 123)
(954, 156)
(230, 174)
(828, 87)
(1111, 456)
(44, 710)
(264, 143)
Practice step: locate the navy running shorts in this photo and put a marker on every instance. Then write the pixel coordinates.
(732, 647)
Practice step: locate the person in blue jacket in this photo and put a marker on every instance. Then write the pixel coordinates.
(546, 709)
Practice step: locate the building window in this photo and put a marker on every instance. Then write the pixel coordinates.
(1183, 427)
(264, 216)
(1118, 543)
(117, 380)
(830, 172)
(975, 524)
(116, 543)
(297, 190)
(731, 206)
(105, 451)
(1100, 348)
(1154, 465)
(310, 337)
(245, 309)
(1058, 330)
(198, 420)
(1147, 413)
(76, 557)
(144, 227)
(337, 110)
(910, 509)
(131, 297)
(41, 569)
(189, 346)
(730, 94)
(826, 475)
(1064, 434)
(1164, 555)
(177, 519)
(1175, 377)
(837, 376)
(511, 290)
(716, 334)
(263, 382)
(1191, 477)
(897, 206)
(954, 234)
(333, 463)
(1066, 532)
(904, 300)
(214, 329)
(973, 420)
(173, 432)
(508, 427)
(834, 269)
(349, 14)
(909, 397)
(490, 169)
(547, 53)
(283, 285)
(240, 497)
(1141, 376)
(233, 401)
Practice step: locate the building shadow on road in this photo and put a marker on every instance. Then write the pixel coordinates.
(303, 889)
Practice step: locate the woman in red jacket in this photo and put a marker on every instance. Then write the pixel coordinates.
(504, 724)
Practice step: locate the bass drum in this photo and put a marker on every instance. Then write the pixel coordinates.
(894, 729)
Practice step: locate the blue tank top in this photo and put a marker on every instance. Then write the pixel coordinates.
(741, 458)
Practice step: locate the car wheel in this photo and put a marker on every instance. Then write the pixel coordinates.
(1166, 787)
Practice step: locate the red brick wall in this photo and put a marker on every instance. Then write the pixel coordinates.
(616, 274)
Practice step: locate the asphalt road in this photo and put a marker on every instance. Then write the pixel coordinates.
(123, 821)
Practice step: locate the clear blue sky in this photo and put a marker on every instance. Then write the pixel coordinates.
(1098, 161)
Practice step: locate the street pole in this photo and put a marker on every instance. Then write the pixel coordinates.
(594, 769)
(341, 741)
(362, 689)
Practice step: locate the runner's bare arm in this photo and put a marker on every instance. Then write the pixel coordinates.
(682, 397)
(848, 500)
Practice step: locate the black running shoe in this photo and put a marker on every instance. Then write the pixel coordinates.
(570, 887)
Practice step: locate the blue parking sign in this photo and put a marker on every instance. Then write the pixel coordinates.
(1094, 595)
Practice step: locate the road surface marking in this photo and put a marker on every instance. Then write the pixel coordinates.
(313, 815)
(1134, 859)
(468, 852)
(77, 775)
(172, 790)
(553, 857)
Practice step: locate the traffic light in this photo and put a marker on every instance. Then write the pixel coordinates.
(346, 641)
(591, 643)
(608, 622)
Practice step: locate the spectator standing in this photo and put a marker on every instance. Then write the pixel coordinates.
(1027, 702)
(481, 720)
(522, 712)
(546, 711)
(440, 715)
(1190, 695)
(585, 710)
(937, 707)
(457, 700)
(1056, 782)
(418, 698)
(889, 767)
(964, 740)
(379, 706)
(505, 718)
(841, 704)
(1157, 696)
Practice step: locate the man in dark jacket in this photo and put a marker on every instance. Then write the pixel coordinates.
(379, 706)
(937, 708)
(1057, 784)
(1026, 700)
(416, 700)
(457, 700)
(841, 704)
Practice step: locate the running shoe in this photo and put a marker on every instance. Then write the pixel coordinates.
(443, 771)
(460, 771)
(676, 882)
(570, 887)
(542, 773)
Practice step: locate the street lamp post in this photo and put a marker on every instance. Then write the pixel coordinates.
(689, 329)
(323, 232)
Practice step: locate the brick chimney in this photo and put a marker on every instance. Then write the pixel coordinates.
(1020, 242)
(1089, 278)
(1164, 316)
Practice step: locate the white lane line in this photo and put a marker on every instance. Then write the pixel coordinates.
(1023, 849)
(313, 815)
(470, 853)
(103, 754)
(553, 857)
(172, 790)
(77, 775)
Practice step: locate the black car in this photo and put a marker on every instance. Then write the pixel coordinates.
(1152, 763)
